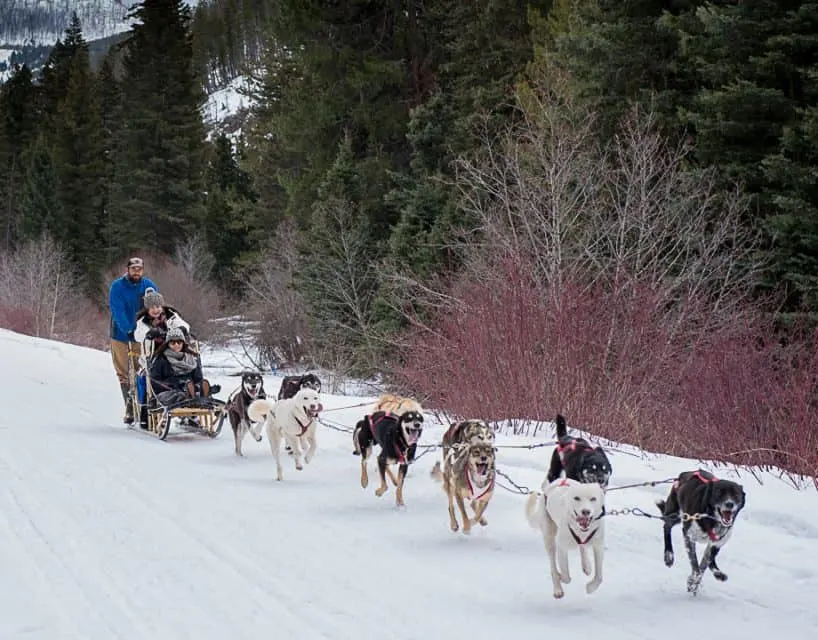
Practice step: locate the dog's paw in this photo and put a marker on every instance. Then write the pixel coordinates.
(380, 491)
(720, 576)
(669, 558)
(558, 593)
(592, 586)
(483, 522)
(257, 438)
(299, 466)
(694, 580)
(455, 527)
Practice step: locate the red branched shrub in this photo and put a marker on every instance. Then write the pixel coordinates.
(17, 319)
(90, 327)
(618, 361)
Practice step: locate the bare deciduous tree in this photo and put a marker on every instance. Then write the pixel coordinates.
(276, 301)
(344, 283)
(194, 258)
(39, 278)
(624, 213)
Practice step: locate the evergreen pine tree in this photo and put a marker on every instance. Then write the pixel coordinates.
(229, 203)
(18, 124)
(157, 194)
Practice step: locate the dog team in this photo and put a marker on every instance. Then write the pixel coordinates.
(569, 511)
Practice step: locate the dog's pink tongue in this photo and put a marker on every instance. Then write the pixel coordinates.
(584, 522)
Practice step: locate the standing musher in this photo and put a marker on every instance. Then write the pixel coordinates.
(125, 301)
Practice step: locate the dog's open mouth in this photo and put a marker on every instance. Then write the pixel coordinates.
(584, 522)
(726, 516)
(313, 412)
(482, 468)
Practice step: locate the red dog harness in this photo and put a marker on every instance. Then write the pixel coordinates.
(304, 427)
(486, 490)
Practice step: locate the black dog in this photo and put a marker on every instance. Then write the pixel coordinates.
(397, 436)
(580, 461)
(293, 384)
(252, 388)
(712, 504)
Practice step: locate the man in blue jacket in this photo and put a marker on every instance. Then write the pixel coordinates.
(125, 301)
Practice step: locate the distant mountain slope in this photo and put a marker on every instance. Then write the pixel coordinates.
(41, 22)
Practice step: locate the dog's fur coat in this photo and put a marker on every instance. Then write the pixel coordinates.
(466, 432)
(291, 419)
(578, 458)
(397, 436)
(468, 474)
(714, 504)
(291, 385)
(251, 388)
(390, 403)
(570, 515)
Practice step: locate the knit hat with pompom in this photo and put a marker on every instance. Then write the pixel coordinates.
(153, 298)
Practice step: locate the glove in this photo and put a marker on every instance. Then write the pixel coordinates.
(154, 333)
(130, 336)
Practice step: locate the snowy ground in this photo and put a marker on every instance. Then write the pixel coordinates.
(108, 533)
(225, 103)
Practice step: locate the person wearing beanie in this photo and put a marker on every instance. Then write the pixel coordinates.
(176, 371)
(124, 301)
(154, 321)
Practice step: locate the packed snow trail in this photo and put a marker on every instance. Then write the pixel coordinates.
(108, 533)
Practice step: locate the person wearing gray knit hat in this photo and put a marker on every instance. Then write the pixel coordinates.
(152, 298)
(154, 321)
(176, 371)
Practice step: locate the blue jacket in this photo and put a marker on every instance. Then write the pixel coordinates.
(125, 301)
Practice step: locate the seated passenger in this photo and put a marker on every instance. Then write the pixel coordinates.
(176, 371)
(153, 322)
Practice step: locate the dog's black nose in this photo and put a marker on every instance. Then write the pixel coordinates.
(729, 505)
(586, 512)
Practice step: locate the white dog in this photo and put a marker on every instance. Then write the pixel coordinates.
(570, 516)
(292, 419)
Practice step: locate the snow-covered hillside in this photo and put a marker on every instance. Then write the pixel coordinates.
(41, 22)
(224, 104)
(108, 533)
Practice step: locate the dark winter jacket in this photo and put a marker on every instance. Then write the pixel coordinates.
(125, 301)
(162, 376)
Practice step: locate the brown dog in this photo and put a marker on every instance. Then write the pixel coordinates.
(468, 474)
(390, 403)
(466, 432)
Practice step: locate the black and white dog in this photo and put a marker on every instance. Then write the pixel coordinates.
(578, 458)
(251, 388)
(291, 385)
(707, 508)
(397, 436)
